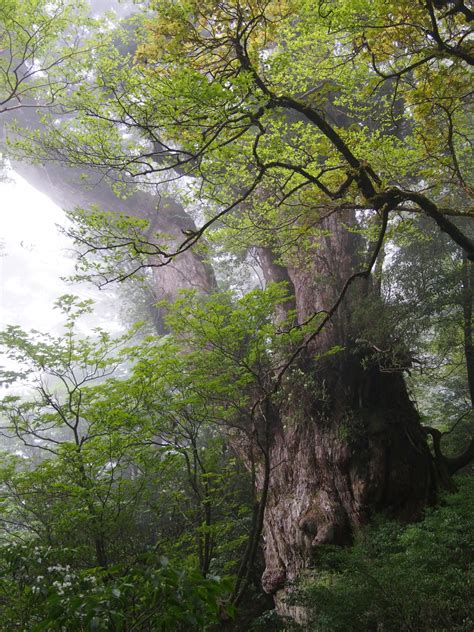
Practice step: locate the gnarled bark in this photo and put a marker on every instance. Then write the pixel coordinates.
(348, 441)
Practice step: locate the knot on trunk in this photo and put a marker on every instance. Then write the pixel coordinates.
(326, 534)
(323, 527)
(273, 579)
(319, 531)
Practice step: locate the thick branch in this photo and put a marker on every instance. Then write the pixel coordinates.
(430, 209)
(452, 464)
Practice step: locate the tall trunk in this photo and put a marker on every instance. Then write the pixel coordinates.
(348, 440)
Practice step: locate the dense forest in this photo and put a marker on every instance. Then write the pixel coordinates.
(281, 436)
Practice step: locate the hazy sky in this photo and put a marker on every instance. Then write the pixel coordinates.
(33, 259)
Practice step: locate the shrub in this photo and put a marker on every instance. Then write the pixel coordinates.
(41, 596)
(399, 578)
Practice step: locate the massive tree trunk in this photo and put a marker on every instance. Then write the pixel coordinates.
(347, 441)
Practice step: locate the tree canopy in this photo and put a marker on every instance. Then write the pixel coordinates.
(294, 179)
(282, 113)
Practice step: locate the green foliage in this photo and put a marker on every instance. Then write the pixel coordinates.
(40, 593)
(41, 52)
(427, 288)
(218, 93)
(399, 578)
(233, 344)
(300, 122)
(121, 453)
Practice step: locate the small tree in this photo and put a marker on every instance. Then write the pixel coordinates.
(134, 438)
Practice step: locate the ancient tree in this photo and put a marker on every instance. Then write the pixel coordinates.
(304, 133)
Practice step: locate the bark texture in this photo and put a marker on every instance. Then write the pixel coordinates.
(347, 441)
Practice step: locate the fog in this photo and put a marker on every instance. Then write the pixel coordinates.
(35, 257)
(36, 260)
